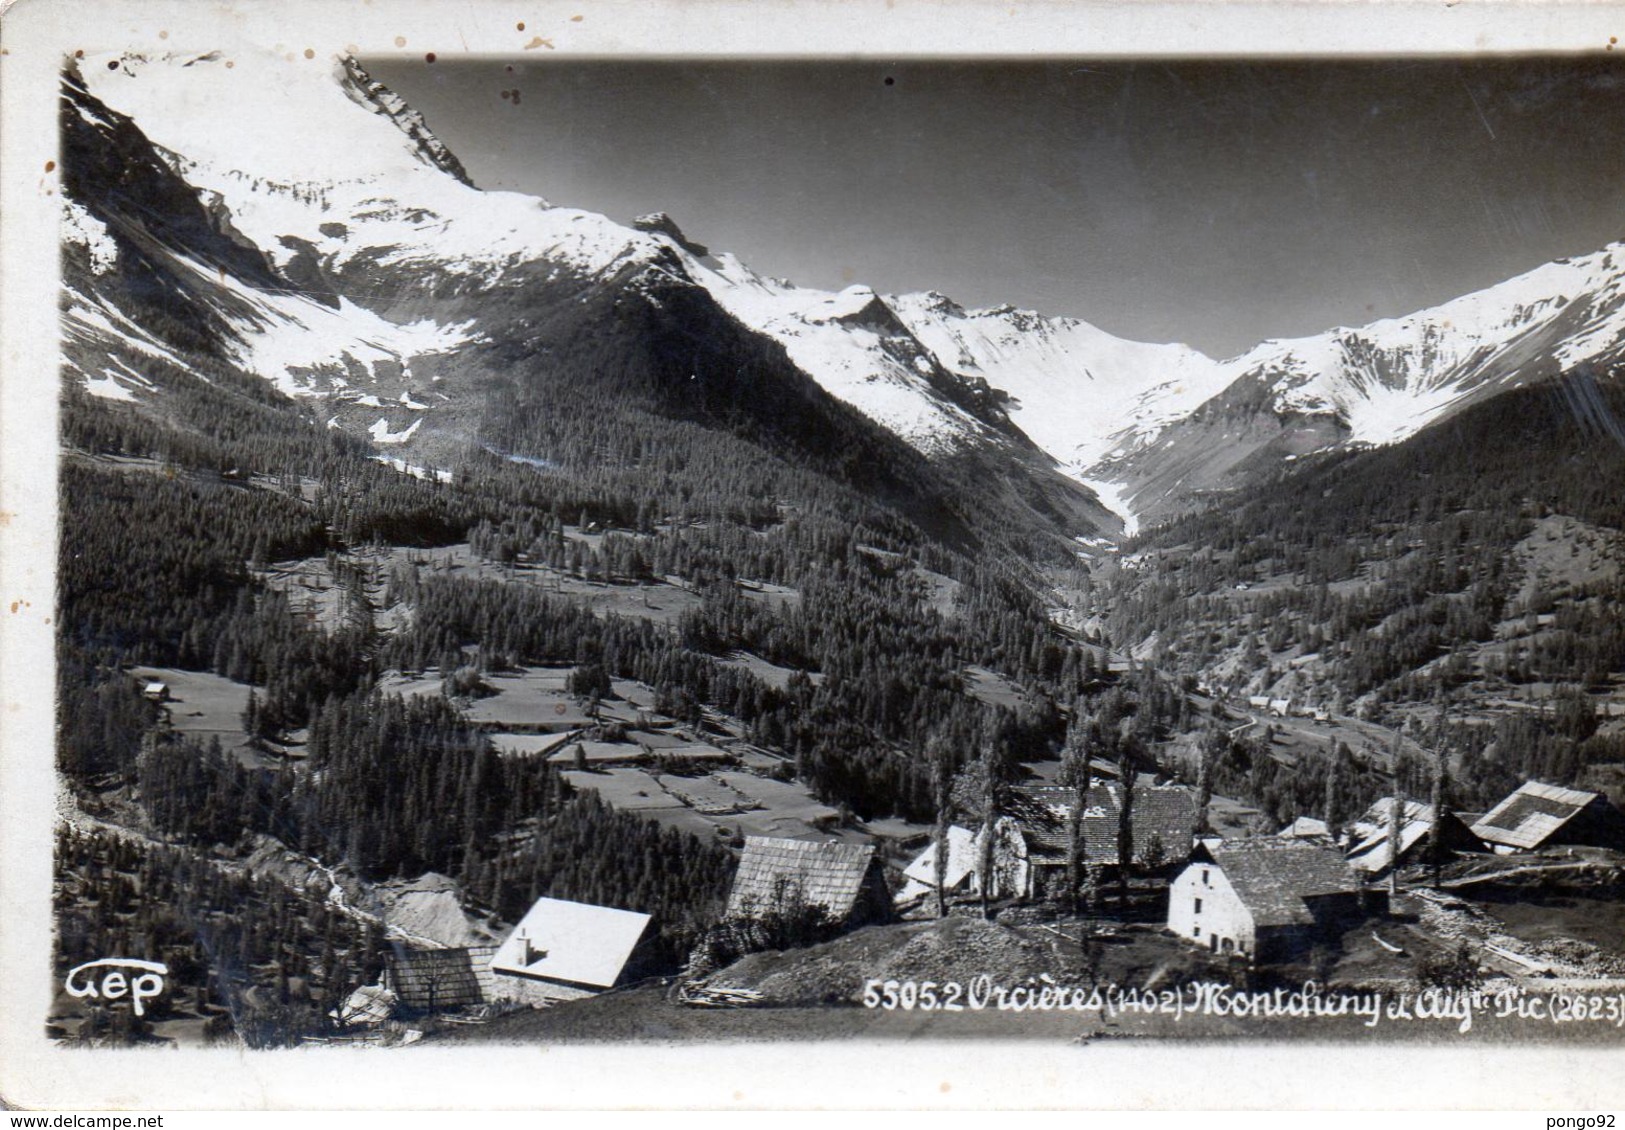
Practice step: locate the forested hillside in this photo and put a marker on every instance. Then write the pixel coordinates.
(1477, 563)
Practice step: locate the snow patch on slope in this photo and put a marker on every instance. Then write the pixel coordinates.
(381, 434)
(99, 323)
(427, 474)
(287, 333)
(107, 387)
(82, 229)
(851, 361)
(1113, 497)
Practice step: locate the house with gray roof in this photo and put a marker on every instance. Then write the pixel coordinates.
(1536, 816)
(1266, 899)
(776, 875)
(1163, 822)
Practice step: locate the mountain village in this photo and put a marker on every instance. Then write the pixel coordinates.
(487, 621)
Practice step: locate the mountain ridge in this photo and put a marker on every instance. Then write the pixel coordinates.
(1151, 428)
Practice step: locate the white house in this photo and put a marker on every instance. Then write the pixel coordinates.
(1264, 899)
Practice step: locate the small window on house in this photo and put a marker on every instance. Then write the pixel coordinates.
(1196, 931)
(1204, 876)
(1198, 906)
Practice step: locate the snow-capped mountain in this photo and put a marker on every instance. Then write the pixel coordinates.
(356, 263)
(853, 343)
(1377, 384)
(1391, 378)
(356, 271)
(1073, 388)
(374, 214)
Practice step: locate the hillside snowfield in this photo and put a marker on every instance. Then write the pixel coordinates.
(311, 150)
(1390, 379)
(1077, 390)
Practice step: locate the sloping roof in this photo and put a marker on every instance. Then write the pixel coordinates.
(572, 942)
(1165, 814)
(961, 860)
(440, 978)
(1530, 816)
(814, 873)
(1272, 877)
(1305, 828)
(370, 1004)
(1369, 852)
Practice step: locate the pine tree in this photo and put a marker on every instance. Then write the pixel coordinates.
(1441, 788)
(1077, 773)
(942, 787)
(990, 817)
(1207, 762)
(1125, 825)
(1396, 825)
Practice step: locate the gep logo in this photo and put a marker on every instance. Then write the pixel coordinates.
(114, 983)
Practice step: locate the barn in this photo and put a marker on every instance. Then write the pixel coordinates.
(564, 950)
(1368, 836)
(1265, 899)
(1537, 816)
(847, 880)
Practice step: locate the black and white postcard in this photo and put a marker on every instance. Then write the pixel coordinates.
(551, 541)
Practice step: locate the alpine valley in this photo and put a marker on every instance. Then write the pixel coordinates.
(427, 550)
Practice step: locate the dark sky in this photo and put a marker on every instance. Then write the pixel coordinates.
(1216, 204)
